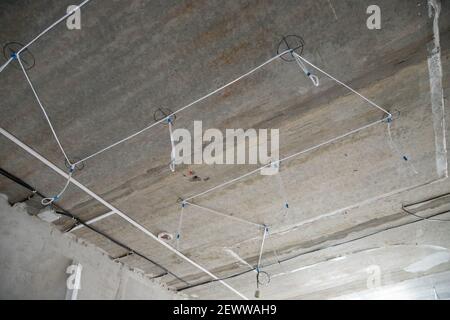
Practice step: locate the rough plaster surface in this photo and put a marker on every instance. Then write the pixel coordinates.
(34, 256)
(104, 82)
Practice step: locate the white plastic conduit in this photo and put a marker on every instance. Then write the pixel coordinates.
(96, 219)
(112, 208)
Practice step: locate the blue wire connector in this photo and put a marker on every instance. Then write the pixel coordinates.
(169, 119)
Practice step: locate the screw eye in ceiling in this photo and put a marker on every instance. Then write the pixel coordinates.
(26, 56)
(291, 42)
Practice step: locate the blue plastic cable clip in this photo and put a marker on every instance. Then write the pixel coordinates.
(169, 119)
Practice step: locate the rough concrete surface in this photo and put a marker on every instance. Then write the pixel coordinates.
(105, 81)
(34, 257)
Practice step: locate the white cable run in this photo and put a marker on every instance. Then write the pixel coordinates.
(52, 26)
(48, 201)
(312, 77)
(44, 32)
(6, 64)
(116, 210)
(42, 108)
(343, 84)
(261, 250)
(226, 215)
(185, 107)
(286, 158)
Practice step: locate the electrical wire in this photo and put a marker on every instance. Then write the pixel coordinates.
(3, 66)
(259, 272)
(120, 244)
(215, 212)
(61, 211)
(343, 84)
(53, 25)
(281, 261)
(299, 60)
(312, 77)
(261, 251)
(17, 56)
(119, 212)
(42, 108)
(47, 201)
(186, 106)
(257, 170)
(425, 218)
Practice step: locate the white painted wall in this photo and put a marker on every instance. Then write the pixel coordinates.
(34, 257)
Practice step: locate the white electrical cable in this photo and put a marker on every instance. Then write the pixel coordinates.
(42, 108)
(286, 158)
(47, 201)
(343, 84)
(121, 214)
(6, 64)
(261, 250)
(226, 215)
(17, 56)
(185, 107)
(312, 77)
(52, 26)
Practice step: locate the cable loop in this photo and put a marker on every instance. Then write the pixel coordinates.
(314, 79)
(49, 201)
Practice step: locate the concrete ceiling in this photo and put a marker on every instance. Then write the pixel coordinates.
(105, 81)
